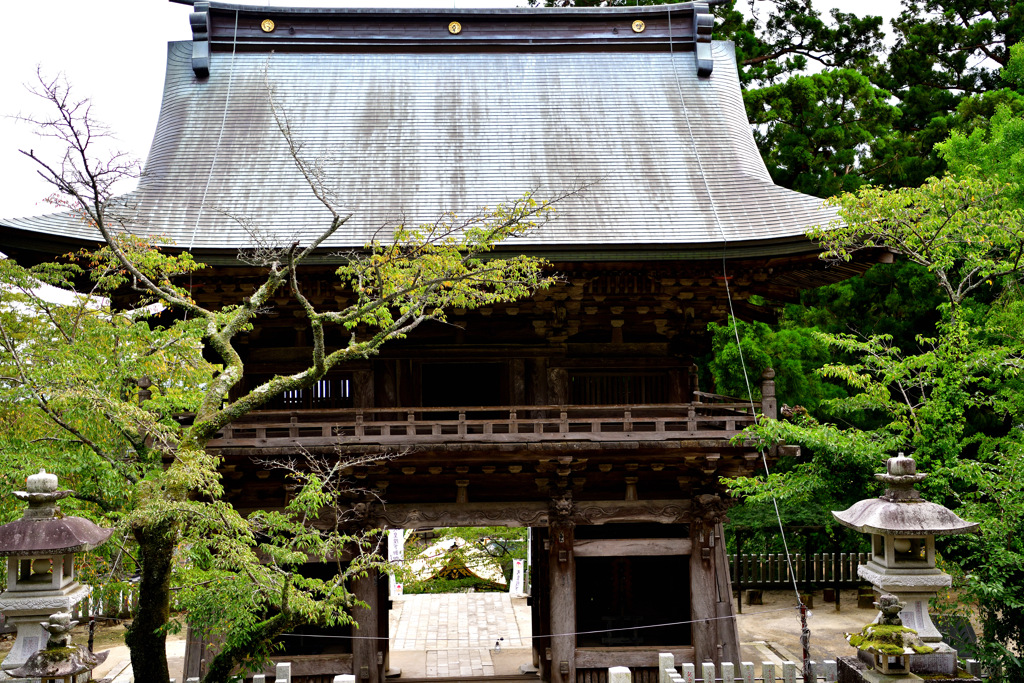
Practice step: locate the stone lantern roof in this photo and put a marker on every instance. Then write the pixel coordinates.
(42, 530)
(901, 510)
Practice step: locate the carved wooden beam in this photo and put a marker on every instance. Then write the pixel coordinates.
(533, 513)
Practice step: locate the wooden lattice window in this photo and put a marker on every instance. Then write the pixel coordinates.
(624, 387)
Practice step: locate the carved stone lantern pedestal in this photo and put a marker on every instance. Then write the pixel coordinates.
(40, 550)
(903, 528)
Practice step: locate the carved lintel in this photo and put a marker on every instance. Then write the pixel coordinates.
(535, 514)
(468, 514)
(610, 512)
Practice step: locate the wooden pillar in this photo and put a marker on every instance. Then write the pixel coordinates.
(539, 611)
(362, 388)
(738, 573)
(562, 573)
(384, 623)
(703, 592)
(367, 651)
(728, 632)
(517, 381)
(769, 404)
(558, 386)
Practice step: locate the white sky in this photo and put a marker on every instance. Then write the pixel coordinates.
(114, 52)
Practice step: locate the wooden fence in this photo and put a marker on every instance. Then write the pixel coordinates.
(772, 571)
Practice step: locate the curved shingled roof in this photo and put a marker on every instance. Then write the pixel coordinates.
(407, 134)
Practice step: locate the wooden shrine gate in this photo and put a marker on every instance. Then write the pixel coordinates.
(623, 502)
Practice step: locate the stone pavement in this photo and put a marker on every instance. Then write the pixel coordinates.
(455, 634)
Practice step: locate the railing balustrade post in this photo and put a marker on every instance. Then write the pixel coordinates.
(666, 663)
(689, 673)
(747, 672)
(619, 674)
(768, 672)
(691, 419)
(830, 670)
(410, 429)
(707, 672)
(789, 672)
(359, 424)
(728, 672)
(462, 422)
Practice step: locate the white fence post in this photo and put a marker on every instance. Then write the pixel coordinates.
(728, 672)
(619, 674)
(747, 672)
(666, 663)
(830, 670)
(707, 672)
(789, 672)
(689, 673)
(345, 678)
(768, 672)
(259, 678)
(283, 673)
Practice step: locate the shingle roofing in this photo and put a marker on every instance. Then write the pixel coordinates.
(666, 157)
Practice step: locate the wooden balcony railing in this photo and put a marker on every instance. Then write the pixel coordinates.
(487, 424)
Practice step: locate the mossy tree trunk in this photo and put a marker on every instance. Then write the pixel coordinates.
(235, 652)
(146, 637)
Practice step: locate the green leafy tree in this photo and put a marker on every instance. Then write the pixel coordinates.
(177, 491)
(955, 398)
(816, 132)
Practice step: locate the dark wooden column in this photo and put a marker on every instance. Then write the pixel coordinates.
(562, 574)
(367, 651)
(540, 613)
(710, 594)
(728, 633)
(702, 592)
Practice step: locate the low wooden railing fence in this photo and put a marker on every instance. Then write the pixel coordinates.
(770, 570)
(488, 424)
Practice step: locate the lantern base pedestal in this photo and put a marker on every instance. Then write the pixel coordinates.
(26, 609)
(942, 661)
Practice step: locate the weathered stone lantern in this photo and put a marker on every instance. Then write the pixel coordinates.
(903, 528)
(40, 550)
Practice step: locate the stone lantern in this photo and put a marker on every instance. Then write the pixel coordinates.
(40, 549)
(903, 528)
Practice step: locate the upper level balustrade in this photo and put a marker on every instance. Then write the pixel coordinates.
(487, 424)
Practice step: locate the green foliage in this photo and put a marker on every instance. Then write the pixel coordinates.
(964, 230)
(794, 352)
(816, 131)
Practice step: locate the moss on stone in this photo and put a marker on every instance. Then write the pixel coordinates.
(887, 640)
(52, 655)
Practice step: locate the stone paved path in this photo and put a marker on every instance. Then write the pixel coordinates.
(457, 631)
